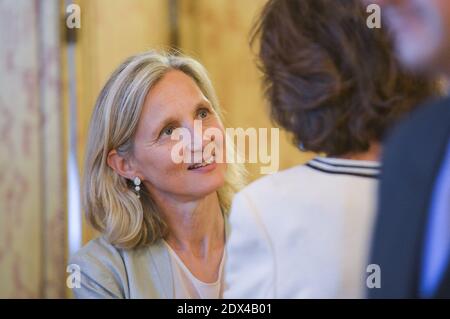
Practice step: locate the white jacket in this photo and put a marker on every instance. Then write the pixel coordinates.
(303, 232)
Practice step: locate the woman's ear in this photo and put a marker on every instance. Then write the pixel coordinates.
(121, 165)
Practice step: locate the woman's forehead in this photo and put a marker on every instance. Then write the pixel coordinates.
(174, 87)
(176, 93)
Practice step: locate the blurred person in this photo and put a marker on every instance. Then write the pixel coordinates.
(337, 87)
(162, 223)
(412, 238)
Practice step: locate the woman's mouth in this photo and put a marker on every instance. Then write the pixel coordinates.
(205, 163)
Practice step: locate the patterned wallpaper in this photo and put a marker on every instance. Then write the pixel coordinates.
(32, 191)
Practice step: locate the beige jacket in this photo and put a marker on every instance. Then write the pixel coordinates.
(109, 272)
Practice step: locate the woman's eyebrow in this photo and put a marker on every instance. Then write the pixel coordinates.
(171, 119)
(202, 103)
(164, 123)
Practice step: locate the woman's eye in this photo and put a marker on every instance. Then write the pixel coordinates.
(167, 131)
(203, 113)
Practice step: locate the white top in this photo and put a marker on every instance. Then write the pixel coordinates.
(303, 232)
(187, 286)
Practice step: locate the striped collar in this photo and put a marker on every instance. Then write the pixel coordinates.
(340, 166)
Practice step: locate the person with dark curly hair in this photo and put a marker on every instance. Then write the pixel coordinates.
(337, 87)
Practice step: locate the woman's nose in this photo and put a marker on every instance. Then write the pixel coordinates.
(195, 145)
(196, 141)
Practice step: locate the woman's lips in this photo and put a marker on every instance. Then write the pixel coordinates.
(204, 169)
(205, 166)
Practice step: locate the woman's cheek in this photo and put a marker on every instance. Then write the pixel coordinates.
(173, 155)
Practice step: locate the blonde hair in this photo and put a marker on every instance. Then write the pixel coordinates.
(110, 204)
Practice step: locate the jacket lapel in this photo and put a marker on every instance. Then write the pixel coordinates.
(161, 269)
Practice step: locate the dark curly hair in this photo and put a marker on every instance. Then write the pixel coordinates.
(330, 80)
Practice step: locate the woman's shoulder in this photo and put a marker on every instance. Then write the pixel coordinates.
(97, 249)
(289, 178)
(308, 179)
(102, 270)
(100, 253)
(281, 191)
(98, 258)
(108, 271)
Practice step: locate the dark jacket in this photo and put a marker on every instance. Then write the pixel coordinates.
(411, 162)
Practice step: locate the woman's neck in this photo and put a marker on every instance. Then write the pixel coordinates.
(373, 154)
(196, 226)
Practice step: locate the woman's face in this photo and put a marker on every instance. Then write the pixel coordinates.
(176, 102)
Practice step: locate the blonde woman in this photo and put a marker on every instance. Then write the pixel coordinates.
(162, 223)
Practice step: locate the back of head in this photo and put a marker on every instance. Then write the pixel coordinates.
(330, 80)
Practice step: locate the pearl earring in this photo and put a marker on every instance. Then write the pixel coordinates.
(137, 188)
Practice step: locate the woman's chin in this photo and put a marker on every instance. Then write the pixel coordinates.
(204, 185)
